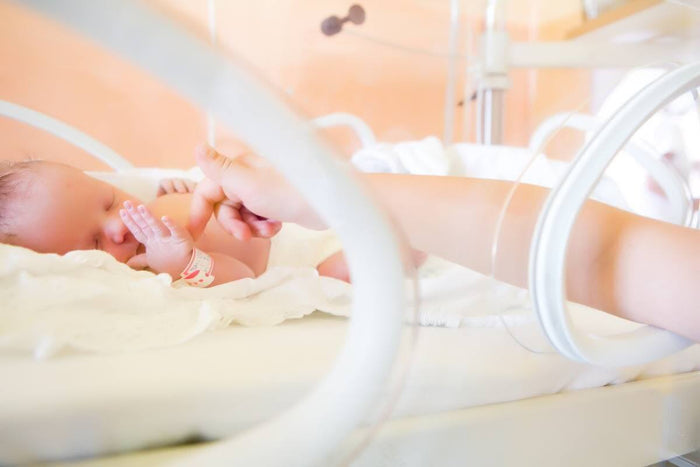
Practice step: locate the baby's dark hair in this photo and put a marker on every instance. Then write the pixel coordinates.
(13, 181)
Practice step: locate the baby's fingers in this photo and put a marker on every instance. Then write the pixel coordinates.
(179, 186)
(190, 186)
(165, 186)
(175, 230)
(133, 227)
(175, 185)
(138, 262)
(184, 186)
(138, 217)
(156, 226)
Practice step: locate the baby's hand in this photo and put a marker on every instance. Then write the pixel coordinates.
(168, 246)
(175, 185)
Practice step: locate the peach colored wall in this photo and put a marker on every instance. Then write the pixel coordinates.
(396, 81)
(53, 70)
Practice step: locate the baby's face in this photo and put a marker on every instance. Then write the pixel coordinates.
(63, 210)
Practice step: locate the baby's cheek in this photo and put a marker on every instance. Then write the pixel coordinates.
(123, 251)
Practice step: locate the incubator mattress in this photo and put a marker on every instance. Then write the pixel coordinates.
(79, 404)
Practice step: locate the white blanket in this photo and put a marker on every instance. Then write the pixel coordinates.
(87, 300)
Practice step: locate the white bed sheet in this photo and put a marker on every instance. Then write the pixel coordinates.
(77, 405)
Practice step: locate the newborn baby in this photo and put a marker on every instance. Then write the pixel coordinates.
(54, 208)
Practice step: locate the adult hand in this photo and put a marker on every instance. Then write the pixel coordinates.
(248, 196)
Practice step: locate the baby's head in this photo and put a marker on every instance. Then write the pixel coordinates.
(54, 208)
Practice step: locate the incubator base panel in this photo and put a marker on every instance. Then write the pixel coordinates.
(638, 423)
(454, 405)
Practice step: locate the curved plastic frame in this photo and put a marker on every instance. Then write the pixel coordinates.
(310, 432)
(672, 184)
(65, 132)
(548, 251)
(361, 129)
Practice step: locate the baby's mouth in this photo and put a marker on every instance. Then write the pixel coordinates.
(140, 249)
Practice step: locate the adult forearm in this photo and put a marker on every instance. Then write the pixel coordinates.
(618, 262)
(656, 275)
(456, 218)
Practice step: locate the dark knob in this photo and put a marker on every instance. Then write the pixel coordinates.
(333, 25)
(356, 14)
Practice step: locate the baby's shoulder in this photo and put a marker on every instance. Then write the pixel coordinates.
(175, 205)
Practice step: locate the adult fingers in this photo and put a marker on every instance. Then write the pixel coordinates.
(229, 217)
(223, 170)
(238, 177)
(260, 226)
(266, 228)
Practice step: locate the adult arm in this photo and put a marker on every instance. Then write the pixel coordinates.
(628, 265)
(634, 267)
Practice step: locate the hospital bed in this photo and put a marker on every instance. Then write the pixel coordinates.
(469, 394)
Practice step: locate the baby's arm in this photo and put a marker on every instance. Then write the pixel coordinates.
(169, 247)
(228, 269)
(335, 266)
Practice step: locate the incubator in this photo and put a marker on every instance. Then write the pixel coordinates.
(426, 364)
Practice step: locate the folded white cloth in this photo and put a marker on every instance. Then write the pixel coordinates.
(430, 157)
(87, 300)
(514, 163)
(424, 157)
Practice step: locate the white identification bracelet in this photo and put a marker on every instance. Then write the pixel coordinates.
(200, 270)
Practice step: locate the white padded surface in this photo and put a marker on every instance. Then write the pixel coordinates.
(89, 404)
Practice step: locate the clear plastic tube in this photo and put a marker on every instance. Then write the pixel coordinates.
(537, 345)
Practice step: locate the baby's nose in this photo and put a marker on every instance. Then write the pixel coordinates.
(116, 230)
